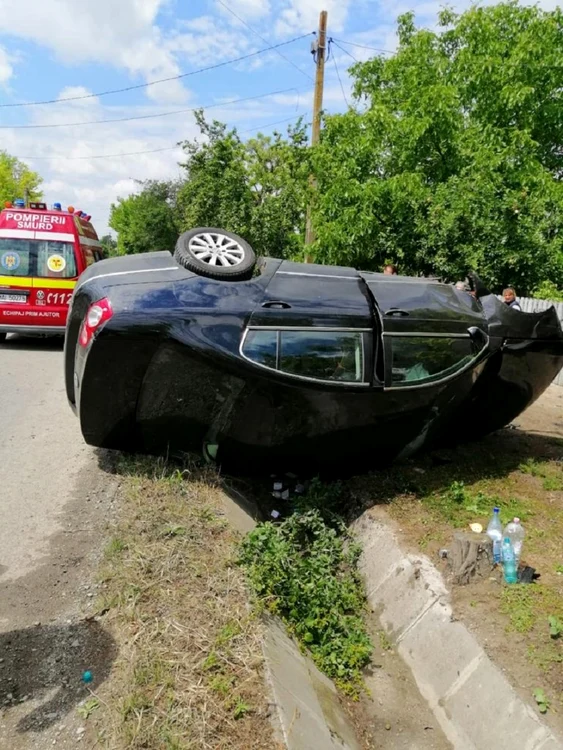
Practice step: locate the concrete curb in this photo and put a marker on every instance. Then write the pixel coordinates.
(307, 707)
(308, 714)
(470, 697)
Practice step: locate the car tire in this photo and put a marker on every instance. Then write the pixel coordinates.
(3, 337)
(215, 253)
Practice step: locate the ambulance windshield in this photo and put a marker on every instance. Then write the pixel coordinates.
(42, 258)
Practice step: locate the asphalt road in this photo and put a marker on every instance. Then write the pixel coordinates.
(41, 452)
(55, 501)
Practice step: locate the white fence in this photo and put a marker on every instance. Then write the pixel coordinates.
(537, 305)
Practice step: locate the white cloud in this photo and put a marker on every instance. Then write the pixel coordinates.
(203, 41)
(6, 70)
(64, 156)
(123, 34)
(303, 15)
(248, 10)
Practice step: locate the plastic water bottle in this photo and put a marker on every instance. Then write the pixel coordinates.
(494, 532)
(509, 562)
(515, 532)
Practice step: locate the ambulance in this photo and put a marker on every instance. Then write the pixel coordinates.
(42, 254)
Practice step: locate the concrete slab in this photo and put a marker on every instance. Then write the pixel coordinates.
(472, 700)
(550, 744)
(308, 709)
(406, 594)
(489, 712)
(439, 650)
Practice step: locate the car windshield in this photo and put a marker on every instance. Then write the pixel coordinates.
(43, 258)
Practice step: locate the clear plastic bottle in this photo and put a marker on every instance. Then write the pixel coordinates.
(515, 532)
(509, 563)
(494, 532)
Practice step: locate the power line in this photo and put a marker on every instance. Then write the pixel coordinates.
(97, 156)
(365, 46)
(338, 74)
(149, 151)
(248, 26)
(146, 117)
(274, 47)
(355, 59)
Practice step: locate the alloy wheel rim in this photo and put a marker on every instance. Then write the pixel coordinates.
(216, 249)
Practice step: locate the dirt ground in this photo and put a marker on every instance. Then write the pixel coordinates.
(391, 714)
(521, 470)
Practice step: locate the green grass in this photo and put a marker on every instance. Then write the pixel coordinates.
(551, 472)
(529, 606)
(460, 505)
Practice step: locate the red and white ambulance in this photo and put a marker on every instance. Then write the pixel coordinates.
(42, 254)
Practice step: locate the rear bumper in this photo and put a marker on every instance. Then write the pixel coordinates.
(60, 330)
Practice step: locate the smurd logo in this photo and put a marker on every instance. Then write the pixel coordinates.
(10, 261)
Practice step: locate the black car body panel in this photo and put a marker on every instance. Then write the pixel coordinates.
(301, 366)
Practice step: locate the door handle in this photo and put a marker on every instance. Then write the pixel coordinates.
(396, 311)
(277, 304)
(478, 336)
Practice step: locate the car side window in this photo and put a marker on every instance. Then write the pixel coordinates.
(261, 347)
(322, 355)
(311, 354)
(420, 359)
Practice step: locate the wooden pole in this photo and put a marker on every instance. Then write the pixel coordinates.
(320, 52)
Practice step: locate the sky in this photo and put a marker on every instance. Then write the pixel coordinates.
(62, 50)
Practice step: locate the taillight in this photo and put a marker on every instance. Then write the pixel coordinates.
(97, 315)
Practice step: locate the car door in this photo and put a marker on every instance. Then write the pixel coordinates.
(314, 312)
(309, 351)
(431, 331)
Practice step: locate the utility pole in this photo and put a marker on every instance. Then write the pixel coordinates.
(319, 52)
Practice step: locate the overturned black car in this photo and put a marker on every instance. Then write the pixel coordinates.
(278, 364)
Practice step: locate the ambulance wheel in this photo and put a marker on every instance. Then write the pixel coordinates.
(3, 337)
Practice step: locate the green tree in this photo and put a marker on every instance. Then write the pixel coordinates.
(17, 180)
(109, 244)
(452, 158)
(147, 221)
(255, 188)
(547, 290)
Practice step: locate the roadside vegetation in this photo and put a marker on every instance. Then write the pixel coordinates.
(175, 585)
(447, 160)
(176, 582)
(189, 673)
(304, 569)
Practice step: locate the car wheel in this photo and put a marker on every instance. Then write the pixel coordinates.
(3, 337)
(215, 253)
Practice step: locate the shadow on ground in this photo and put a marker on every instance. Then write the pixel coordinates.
(492, 457)
(46, 663)
(19, 342)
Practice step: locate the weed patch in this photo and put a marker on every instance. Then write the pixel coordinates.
(305, 571)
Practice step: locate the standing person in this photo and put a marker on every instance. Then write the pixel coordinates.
(390, 270)
(509, 296)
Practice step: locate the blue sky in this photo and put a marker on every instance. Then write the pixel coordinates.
(54, 49)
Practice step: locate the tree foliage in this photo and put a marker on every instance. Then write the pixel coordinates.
(256, 188)
(455, 160)
(146, 221)
(17, 180)
(450, 160)
(109, 245)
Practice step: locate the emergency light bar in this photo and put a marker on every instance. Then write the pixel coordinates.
(38, 206)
